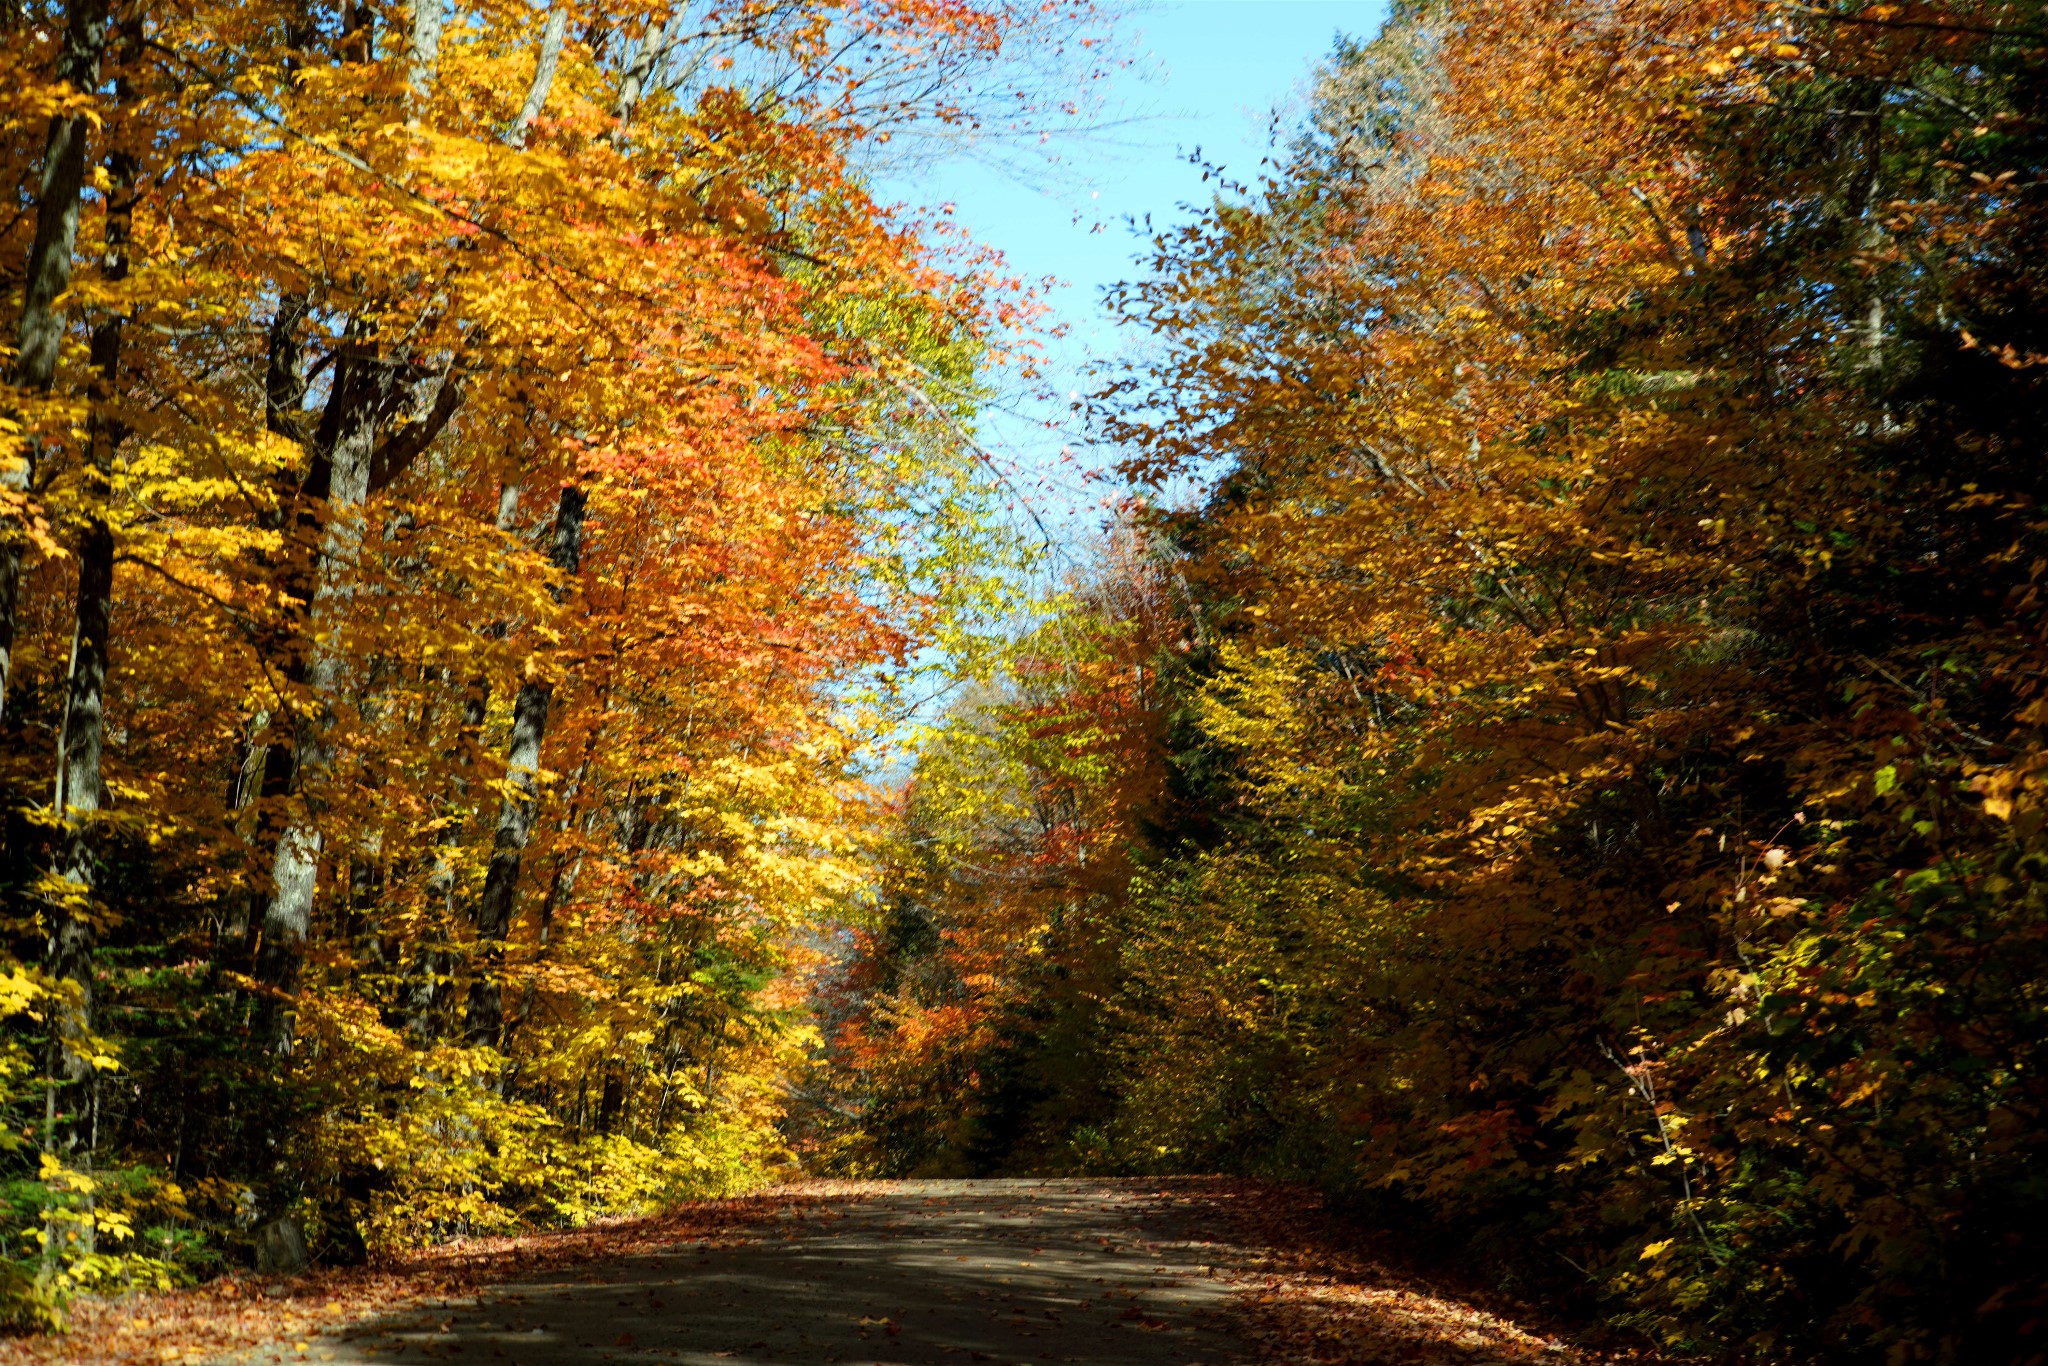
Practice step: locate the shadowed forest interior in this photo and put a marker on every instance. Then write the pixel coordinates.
(525, 695)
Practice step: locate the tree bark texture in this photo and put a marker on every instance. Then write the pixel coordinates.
(633, 81)
(41, 333)
(355, 465)
(342, 480)
(423, 53)
(545, 61)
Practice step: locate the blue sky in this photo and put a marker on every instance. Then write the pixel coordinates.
(1207, 74)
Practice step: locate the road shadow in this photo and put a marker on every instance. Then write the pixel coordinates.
(925, 1274)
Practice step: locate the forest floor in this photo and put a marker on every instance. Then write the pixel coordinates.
(1183, 1272)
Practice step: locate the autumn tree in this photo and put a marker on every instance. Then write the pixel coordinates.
(461, 463)
(1599, 829)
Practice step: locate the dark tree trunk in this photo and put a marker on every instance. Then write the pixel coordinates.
(49, 274)
(80, 787)
(485, 1013)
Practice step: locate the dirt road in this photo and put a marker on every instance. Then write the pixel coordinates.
(1181, 1272)
(931, 1272)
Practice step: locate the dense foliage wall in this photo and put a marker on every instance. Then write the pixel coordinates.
(1573, 784)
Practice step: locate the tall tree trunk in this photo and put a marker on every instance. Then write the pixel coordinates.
(49, 275)
(484, 1011)
(347, 464)
(485, 1014)
(264, 769)
(80, 787)
(341, 478)
(1870, 327)
(545, 61)
(654, 46)
(423, 51)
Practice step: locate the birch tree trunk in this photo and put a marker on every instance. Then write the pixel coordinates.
(49, 275)
(264, 770)
(423, 51)
(552, 34)
(633, 80)
(352, 464)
